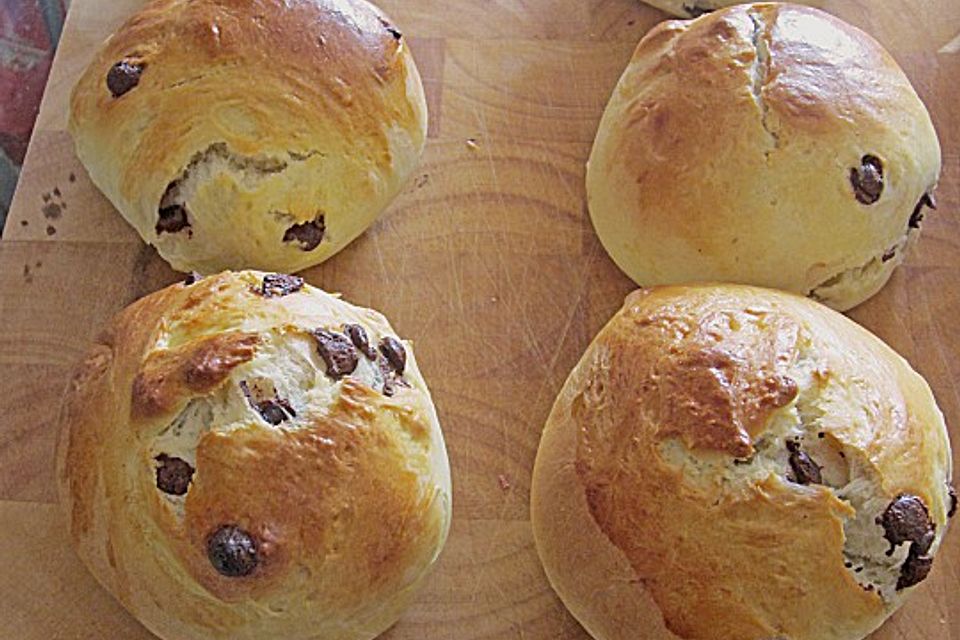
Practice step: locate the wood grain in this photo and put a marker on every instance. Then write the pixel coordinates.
(487, 260)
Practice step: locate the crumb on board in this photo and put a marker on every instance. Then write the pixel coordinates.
(504, 482)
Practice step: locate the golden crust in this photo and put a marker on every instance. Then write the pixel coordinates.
(321, 97)
(350, 506)
(198, 368)
(707, 394)
(708, 547)
(725, 154)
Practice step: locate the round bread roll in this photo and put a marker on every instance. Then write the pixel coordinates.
(245, 456)
(765, 144)
(235, 134)
(732, 462)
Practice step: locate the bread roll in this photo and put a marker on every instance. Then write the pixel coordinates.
(236, 134)
(728, 462)
(765, 144)
(248, 457)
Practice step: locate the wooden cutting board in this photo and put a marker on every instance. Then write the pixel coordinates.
(487, 260)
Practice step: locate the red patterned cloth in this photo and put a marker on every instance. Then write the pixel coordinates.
(29, 30)
(26, 51)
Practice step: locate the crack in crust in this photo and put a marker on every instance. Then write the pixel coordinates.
(250, 168)
(821, 293)
(760, 74)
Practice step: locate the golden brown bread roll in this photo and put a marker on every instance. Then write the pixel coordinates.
(727, 462)
(766, 144)
(250, 133)
(248, 457)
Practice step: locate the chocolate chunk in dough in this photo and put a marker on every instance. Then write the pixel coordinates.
(916, 217)
(358, 336)
(276, 285)
(307, 234)
(123, 76)
(914, 570)
(867, 179)
(172, 219)
(805, 470)
(173, 474)
(232, 551)
(392, 349)
(337, 351)
(906, 519)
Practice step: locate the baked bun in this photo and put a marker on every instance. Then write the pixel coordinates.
(733, 463)
(248, 457)
(238, 134)
(765, 144)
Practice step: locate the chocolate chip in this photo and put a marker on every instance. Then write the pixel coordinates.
(173, 474)
(914, 570)
(917, 565)
(694, 11)
(805, 470)
(172, 219)
(123, 76)
(358, 336)
(916, 217)
(286, 407)
(391, 362)
(274, 410)
(952, 493)
(309, 234)
(921, 546)
(389, 377)
(232, 551)
(889, 254)
(391, 29)
(337, 351)
(192, 278)
(906, 519)
(276, 285)
(392, 349)
(867, 179)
